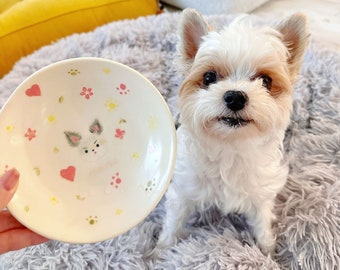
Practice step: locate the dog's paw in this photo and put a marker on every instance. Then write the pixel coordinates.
(157, 252)
(268, 246)
(154, 255)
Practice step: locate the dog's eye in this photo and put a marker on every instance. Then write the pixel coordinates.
(209, 77)
(266, 81)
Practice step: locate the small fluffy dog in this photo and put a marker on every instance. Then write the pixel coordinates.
(235, 105)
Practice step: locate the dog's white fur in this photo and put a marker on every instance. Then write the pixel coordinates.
(238, 168)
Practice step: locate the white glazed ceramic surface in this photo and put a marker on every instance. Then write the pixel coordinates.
(94, 142)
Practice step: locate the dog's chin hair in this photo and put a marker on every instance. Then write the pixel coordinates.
(228, 134)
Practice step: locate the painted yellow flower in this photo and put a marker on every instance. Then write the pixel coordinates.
(107, 70)
(51, 118)
(153, 122)
(54, 200)
(135, 155)
(26, 208)
(119, 212)
(111, 105)
(9, 128)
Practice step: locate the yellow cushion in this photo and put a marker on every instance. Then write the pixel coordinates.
(27, 25)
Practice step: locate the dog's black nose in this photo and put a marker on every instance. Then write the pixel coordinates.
(235, 100)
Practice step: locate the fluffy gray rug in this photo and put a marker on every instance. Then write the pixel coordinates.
(307, 208)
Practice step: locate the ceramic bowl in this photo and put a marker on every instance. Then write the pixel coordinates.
(95, 145)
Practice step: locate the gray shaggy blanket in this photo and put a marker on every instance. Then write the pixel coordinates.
(308, 214)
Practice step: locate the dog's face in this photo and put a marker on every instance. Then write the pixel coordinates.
(239, 81)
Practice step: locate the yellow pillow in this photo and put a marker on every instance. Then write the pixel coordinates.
(27, 25)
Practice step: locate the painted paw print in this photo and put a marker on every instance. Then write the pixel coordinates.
(92, 220)
(114, 183)
(122, 89)
(150, 185)
(74, 72)
(116, 180)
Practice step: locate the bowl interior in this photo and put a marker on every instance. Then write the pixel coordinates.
(94, 142)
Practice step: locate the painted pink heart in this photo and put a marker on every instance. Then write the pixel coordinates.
(33, 91)
(68, 173)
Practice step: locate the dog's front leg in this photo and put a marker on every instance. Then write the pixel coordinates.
(260, 219)
(177, 211)
(178, 207)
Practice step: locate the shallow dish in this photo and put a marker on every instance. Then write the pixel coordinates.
(95, 145)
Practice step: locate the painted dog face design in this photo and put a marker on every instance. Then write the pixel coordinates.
(93, 147)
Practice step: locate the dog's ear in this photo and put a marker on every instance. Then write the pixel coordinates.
(295, 36)
(192, 28)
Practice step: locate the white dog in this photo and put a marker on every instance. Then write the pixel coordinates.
(235, 105)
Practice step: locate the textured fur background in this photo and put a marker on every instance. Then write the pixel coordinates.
(307, 208)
